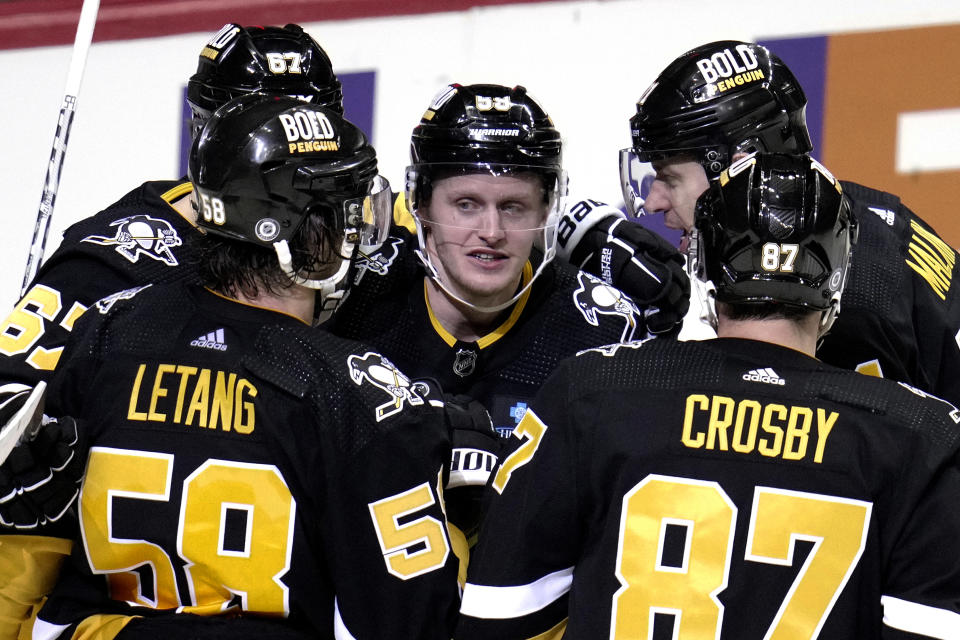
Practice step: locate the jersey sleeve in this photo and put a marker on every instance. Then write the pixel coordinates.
(900, 311)
(138, 240)
(30, 561)
(521, 571)
(921, 594)
(392, 565)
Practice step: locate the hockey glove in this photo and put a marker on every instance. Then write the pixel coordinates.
(41, 477)
(626, 255)
(476, 446)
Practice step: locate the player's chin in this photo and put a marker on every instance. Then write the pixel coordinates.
(491, 289)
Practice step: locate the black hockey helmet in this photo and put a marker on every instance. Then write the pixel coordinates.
(239, 60)
(492, 129)
(776, 228)
(712, 102)
(485, 123)
(263, 163)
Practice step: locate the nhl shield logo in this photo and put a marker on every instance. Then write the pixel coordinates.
(465, 362)
(142, 235)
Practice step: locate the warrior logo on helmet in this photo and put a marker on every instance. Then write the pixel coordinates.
(381, 373)
(595, 297)
(142, 235)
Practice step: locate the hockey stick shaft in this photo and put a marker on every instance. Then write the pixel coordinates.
(81, 45)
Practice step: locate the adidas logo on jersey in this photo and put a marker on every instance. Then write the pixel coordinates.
(767, 375)
(213, 340)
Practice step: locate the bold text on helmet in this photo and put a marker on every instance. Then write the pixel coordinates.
(726, 63)
(306, 125)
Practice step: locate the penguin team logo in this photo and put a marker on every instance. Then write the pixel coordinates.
(380, 372)
(378, 261)
(141, 235)
(594, 298)
(610, 350)
(105, 304)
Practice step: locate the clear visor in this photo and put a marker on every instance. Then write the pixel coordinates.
(367, 218)
(483, 196)
(636, 178)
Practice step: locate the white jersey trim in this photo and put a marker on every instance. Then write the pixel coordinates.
(340, 631)
(43, 630)
(920, 618)
(483, 601)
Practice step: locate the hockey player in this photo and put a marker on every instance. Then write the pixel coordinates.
(725, 99)
(486, 310)
(148, 236)
(246, 463)
(734, 487)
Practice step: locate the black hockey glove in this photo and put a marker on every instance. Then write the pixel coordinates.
(476, 447)
(598, 239)
(41, 477)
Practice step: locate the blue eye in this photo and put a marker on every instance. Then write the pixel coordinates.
(466, 206)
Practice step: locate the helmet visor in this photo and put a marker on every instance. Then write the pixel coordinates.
(510, 197)
(367, 218)
(636, 178)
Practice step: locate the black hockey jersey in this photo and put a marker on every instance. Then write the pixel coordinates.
(900, 311)
(565, 311)
(721, 489)
(242, 461)
(139, 239)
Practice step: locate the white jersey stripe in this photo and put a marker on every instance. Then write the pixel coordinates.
(340, 631)
(920, 618)
(483, 601)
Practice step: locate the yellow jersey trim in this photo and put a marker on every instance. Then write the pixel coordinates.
(497, 333)
(174, 194)
(177, 192)
(402, 216)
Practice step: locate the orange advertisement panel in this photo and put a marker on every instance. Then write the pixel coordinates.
(873, 80)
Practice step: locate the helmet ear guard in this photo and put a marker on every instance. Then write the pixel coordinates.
(485, 129)
(776, 228)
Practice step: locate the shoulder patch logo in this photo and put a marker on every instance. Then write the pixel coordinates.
(106, 303)
(378, 261)
(380, 372)
(139, 235)
(594, 297)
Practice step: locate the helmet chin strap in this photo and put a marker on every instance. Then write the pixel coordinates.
(828, 317)
(432, 273)
(705, 290)
(329, 291)
(548, 255)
